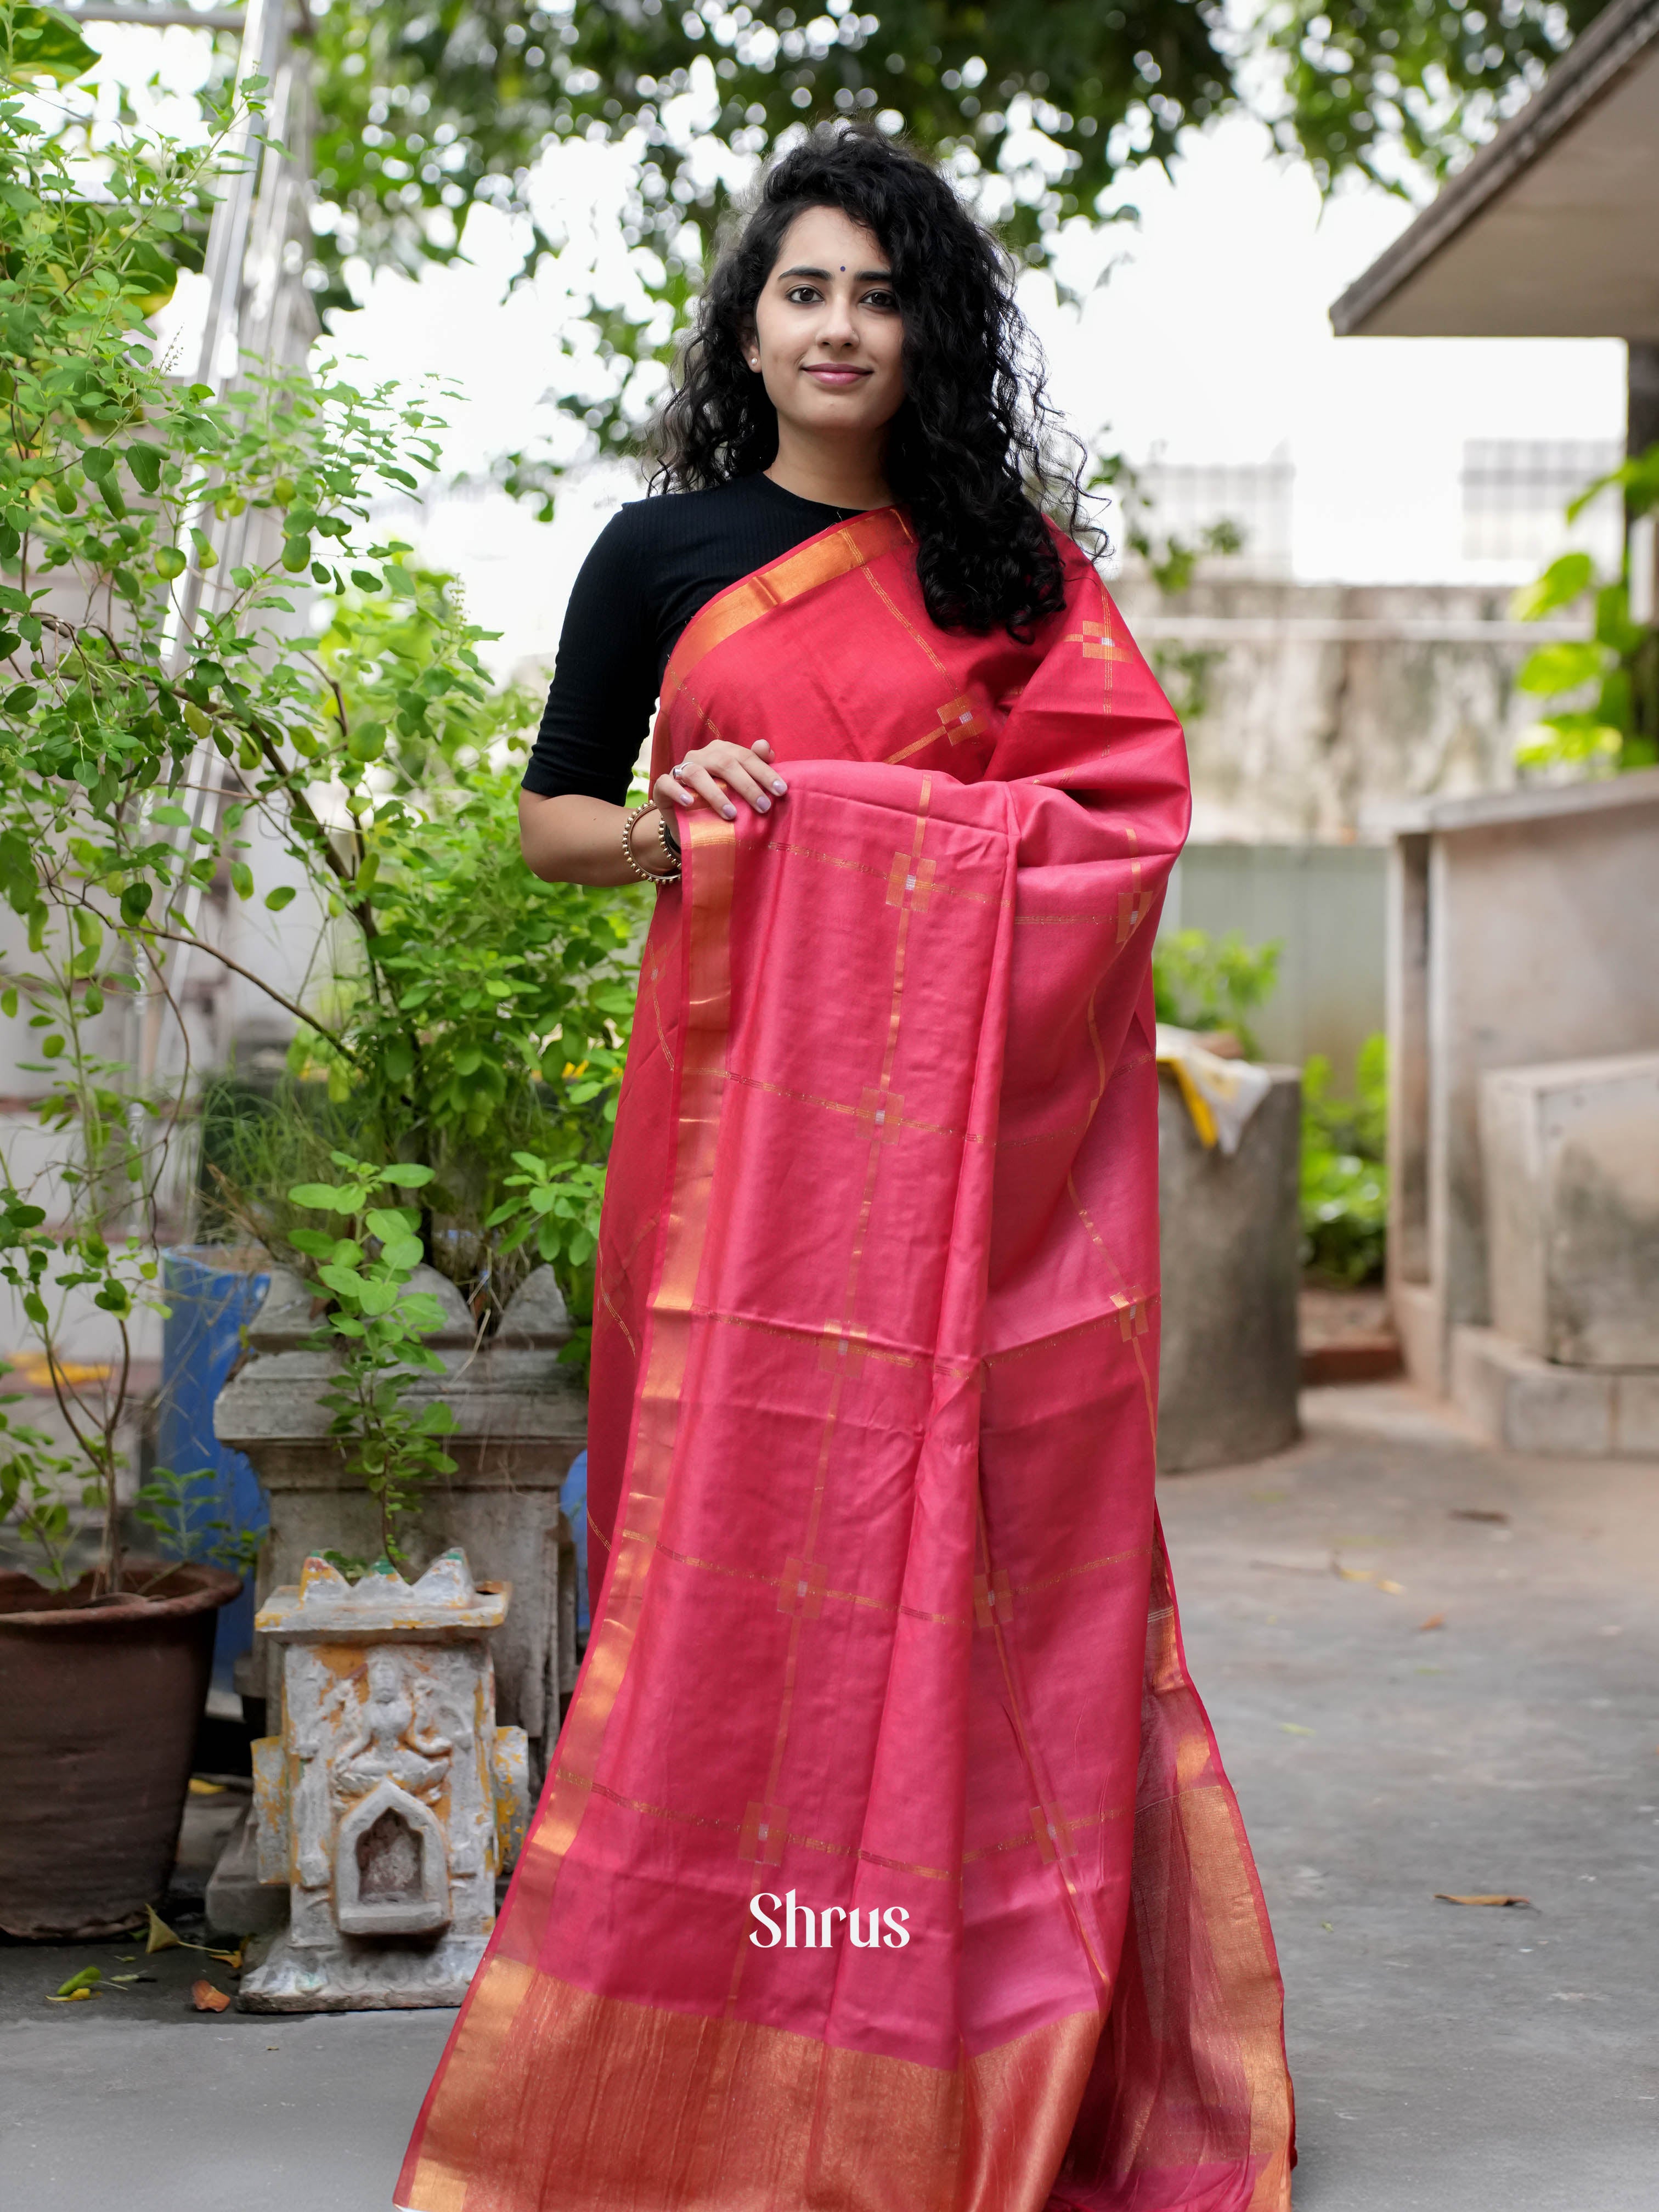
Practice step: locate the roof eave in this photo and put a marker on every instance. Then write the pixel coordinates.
(1583, 75)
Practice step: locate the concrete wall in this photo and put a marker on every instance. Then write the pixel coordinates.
(1319, 711)
(1520, 933)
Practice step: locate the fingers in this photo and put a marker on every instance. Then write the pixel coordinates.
(738, 779)
(702, 785)
(746, 773)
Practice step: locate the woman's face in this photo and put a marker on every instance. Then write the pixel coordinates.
(828, 337)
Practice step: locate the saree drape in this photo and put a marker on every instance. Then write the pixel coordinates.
(886, 1633)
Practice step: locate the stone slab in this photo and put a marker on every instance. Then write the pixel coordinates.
(1570, 1158)
(238, 1902)
(1534, 1405)
(1418, 1321)
(359, 1977)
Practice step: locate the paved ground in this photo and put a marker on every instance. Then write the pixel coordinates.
(1448, 2058)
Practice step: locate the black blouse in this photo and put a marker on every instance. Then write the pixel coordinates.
(654, 563)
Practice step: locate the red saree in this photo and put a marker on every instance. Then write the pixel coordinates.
(886, 1626)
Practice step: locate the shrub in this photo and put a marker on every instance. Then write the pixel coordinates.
(1345, 1176)
(1204, 982)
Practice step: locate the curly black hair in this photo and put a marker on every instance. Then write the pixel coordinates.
(974, 438)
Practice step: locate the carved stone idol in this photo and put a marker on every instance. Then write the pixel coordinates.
(391, 1799)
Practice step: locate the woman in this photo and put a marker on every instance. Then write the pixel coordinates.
(887, 1863)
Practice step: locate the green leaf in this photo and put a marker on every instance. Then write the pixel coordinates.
(406, 1173)
(315, 1244)
(389, 1221)
(169, 815)
(145, 463)
(1561, 582)
(284, 894)
(403, 1252)
(345, 1282)
(44, 43)
(1562, 667)
(325, 1197)
(376, 1298)
(136, 903)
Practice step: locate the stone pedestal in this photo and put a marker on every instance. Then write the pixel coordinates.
(523, 1418)
(1531, 1405)
(1570, 1155)
(1231, 1268)
(1519, 934)
(390, 1799)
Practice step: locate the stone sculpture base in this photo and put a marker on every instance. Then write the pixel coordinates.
(364, 1976)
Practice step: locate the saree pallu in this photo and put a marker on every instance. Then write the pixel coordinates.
(886, 1632)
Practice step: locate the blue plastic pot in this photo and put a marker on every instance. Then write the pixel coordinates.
(212, 1304)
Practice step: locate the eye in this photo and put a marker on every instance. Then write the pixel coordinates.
(803, 296)
(885, 300)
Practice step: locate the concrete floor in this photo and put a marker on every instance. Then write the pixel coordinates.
(1447, 2058)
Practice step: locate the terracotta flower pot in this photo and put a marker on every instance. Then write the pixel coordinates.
(99, 1707)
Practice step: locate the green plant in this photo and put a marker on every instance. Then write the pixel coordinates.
(1204, 982)
(1345, 1176)
(52, 1273)
(177, 1510)
(144, 738)
(1615, 671)
(1185, 673)
(556, 1213)
(36, 1484)
(377, 1326)
(475, 1013)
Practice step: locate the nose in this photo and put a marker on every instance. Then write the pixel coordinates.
(838, 327)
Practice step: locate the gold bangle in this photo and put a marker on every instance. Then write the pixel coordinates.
(645, 875)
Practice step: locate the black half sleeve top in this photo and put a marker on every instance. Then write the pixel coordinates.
(654, 563)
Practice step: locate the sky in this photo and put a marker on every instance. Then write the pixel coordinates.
(1208, 340)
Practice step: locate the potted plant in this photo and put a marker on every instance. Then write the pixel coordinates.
(103, 1670)
(193, 780)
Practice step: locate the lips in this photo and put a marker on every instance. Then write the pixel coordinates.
(838, 380)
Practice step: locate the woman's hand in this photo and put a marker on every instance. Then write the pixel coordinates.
(713, 773)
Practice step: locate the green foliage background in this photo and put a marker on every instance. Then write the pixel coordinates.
(1345, 1176)
(1607, 684)
(438, 106)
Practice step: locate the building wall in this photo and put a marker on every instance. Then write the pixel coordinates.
(1322, 711)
